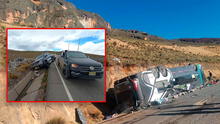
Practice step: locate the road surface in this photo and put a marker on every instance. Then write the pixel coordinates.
(199, 107)
(60, 89)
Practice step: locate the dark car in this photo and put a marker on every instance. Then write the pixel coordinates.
(43, 61)
(77, 64)
(51, 57)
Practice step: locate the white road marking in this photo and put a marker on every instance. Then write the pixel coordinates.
(64, 84)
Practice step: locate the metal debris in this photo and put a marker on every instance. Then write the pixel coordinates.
(80, 117)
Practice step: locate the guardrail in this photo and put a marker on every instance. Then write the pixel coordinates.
(15, 91)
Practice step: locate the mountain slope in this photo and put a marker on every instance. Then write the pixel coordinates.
(48, 13)
(130, 51)
(201, 40)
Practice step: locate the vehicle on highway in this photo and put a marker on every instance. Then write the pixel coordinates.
(43, 61)
(77, 64)
(155, 85)
(50, 56)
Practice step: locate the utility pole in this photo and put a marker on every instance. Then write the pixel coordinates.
(78, 45)
(68, 45)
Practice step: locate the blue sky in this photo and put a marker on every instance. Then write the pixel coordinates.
(165, 18)
(91, 41)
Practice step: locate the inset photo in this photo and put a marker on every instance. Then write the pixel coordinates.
(56, 65)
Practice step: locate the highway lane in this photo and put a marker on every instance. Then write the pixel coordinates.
(74, 89)
(199, 107)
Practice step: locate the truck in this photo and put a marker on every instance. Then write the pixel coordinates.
(77, 64)
(153, 86)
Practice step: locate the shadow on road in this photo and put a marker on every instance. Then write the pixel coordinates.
(182, 110)
(184, 106)
(110, 104)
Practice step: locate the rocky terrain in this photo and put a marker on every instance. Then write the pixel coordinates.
(48, 13)
(201, 40)
(42, 14)
(128, 52)
(133, 51)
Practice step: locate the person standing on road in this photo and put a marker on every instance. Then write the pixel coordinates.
(210, 76)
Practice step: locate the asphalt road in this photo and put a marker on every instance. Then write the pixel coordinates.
(76, 89)
(199, 107)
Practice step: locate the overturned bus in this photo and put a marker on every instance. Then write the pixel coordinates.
(154, 85)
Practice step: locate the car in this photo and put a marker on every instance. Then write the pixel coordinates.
(51, 57)
(43, 61)
(77, 64)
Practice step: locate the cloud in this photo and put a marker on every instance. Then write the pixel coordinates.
(54, 40)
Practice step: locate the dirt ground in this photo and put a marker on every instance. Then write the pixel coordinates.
(198, 50)
(32, 113)
(209, 50)
(119, 71)
(38, 113)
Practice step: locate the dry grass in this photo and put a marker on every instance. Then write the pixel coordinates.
(57, 120)
(148, 53)
(33, 54)
(26, 54)
(92, 114)
(23, 67)
(12, 76)
(152, 54)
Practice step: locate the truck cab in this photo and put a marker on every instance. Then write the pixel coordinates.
(77, 64)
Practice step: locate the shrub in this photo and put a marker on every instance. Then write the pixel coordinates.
(23, 67)
(12, 76)
(57, 120)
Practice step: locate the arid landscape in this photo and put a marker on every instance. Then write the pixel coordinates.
(128, 52)
(138, 54)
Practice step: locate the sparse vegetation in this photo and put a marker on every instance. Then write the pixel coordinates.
(26, 54)
(23, 67)
(2, 28)
(33, 54)
(150, 53)
(57, 120)
(12, 76)
(154, 55)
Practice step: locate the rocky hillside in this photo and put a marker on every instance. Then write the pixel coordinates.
(128, 52)
(201, 40)
(48, 13)
(135, 34)
(131, 51)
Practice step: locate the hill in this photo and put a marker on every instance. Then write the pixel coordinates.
(48, 13)
(138, 48)
(201, 40)
(128, 52)
(13, 54)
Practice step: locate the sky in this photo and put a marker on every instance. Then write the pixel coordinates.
(169, 19)
(90, 40)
